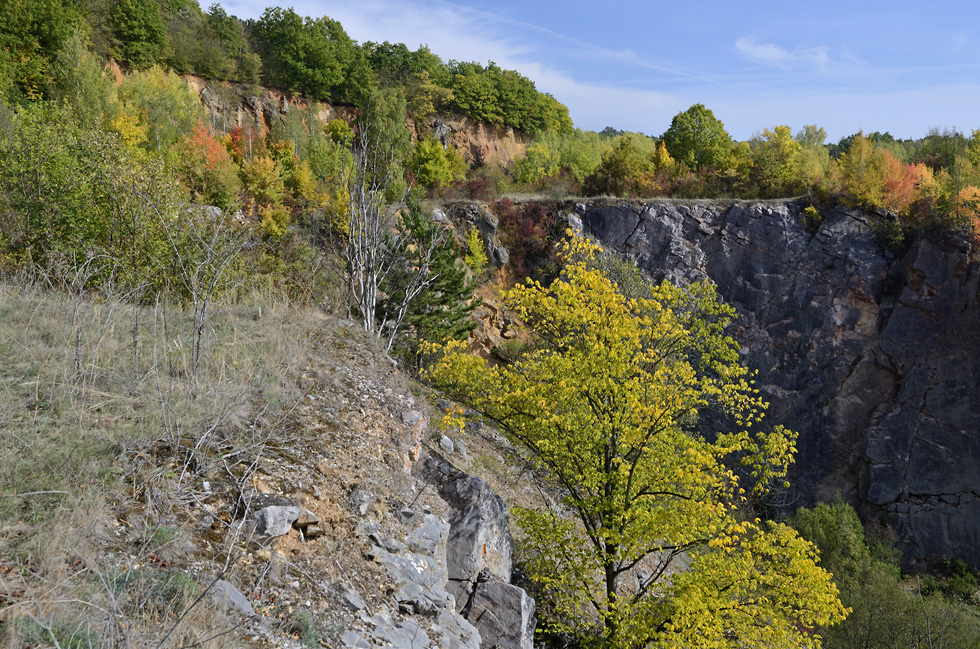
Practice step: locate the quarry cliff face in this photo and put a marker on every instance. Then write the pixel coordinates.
(873, 358)
(260, 108)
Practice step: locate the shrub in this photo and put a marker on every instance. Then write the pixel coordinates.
(207, 169)
(530, 231)
(476, 257)
(263, 183)
(82, 197)
(433, 165)
(812, 218)
(166, 108)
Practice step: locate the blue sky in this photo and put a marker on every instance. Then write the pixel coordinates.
(896, 66)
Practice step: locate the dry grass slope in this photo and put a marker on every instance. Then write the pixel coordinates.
(105, 435)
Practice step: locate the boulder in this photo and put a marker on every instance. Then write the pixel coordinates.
(479, 534)
(420, 579)
(504, 615)
(305, 519)
(363, 501)
(478, 553)
(417, 567)
(430, 538)
(455, 632)
(230, 598)
(446, 444)
(387, 632)
(274, 521)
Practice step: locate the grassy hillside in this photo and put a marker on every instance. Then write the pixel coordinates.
(108, 436)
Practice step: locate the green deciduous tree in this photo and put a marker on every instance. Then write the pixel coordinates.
(862, 173)
(425, 97)
(81, 80)
(576, 152)
(224, 46)
(580, 152)
(312, 56)
(396, 65)
(608, 403)
(476, 94)
(811, 136)
(71, 193)
(622, 166)
(777, 161)
(551, 114)
(697, 138)
(887, 612)
(31, 33)
(939, 148)
(139, 32)
(166, 109)
(212, 44)
(539, 161)
(435, 165)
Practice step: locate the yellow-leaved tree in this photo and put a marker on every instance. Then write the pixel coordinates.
(660, 549)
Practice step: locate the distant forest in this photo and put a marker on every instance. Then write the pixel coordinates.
(56, 91)
(313, 57)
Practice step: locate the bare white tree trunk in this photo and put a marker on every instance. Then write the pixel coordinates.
(377, 245)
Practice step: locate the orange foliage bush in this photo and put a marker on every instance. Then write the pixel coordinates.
(206, 168)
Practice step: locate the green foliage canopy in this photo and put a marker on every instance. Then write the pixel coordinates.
(777, 161)
(31, 33)
(887, 612)
(622, 166)
(312, 56)
(506, 98)
(71, 194)
(435, 165)
(697, 138)
(139, 32)
(166, 108)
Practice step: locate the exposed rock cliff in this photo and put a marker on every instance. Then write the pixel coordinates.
(261, 108)
(872, 358)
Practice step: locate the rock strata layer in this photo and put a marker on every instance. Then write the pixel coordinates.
(872, 357)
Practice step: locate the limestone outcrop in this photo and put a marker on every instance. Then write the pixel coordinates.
(479, 552)
(264, 108)
(871, 356)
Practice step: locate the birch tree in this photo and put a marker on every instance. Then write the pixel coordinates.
(381, 246)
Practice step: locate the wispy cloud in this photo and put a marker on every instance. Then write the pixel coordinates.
(772, 54)
(453, 31)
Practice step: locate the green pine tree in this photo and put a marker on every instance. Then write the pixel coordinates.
(440, 312)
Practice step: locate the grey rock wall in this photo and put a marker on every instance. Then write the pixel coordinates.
(874, 359)
(478, 554)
